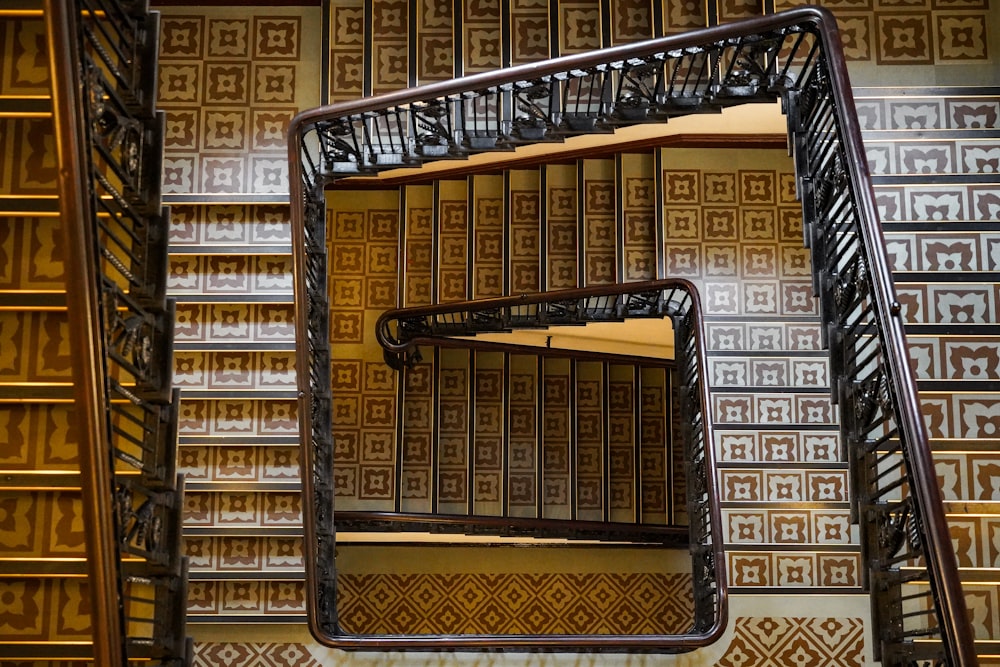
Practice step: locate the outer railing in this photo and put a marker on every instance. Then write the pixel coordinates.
(109, 138)
(795, 56)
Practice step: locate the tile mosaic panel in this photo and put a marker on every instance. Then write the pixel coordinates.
(230, 85)
(638, 214)
(654, 444)
(347, 42)
(488, 259)
(453, 430)
(631, 21)
(516, 603)
(235, 509)
(529, 27)
(234, 323)
(232, 275)
(523, 425)
(38, 437)
(28, 162)
(683, 16)
(453, 242)
(51, 610)
(34, 347)
(224, 553)
(890, 32)
(488, 433)
(418, 436)
(579, 26)
(622, 432)
(211, 654)
(600, 230)
(418, 245)
(232, 598)
(934, 251)
(955, 357)
(41, 524)
(481, 36)
(556, 471)
(234, 370)
(961, 415)
(388, 43)
(23, 52)
(793, 569)
(735, 229)
(363, 239)
(561, 253)
(31, 254)
(238, 419)
(525, 237)
(788, 641)
(435, 40)
(968, 475)
(239, 464)
(679, 485)
(949, 303)
(229, 225)
(590, 427)
(918, 112)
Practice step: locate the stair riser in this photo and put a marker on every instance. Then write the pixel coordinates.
(914, 113)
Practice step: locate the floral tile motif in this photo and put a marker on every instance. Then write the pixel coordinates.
(229, 86)
(796, 641)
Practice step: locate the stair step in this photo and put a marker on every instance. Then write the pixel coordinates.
(927, 108)
(25, 205)
(13, 567)
(46, 524)
(25, 107)
(40, 480)
(937, 161)
(947, 202)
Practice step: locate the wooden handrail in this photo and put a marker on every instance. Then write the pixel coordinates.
(89, 372)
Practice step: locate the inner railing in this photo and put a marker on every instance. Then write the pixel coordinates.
(796, 57)
(109, 137)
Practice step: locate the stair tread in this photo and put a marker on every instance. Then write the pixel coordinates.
(25, 106)
(32, 300)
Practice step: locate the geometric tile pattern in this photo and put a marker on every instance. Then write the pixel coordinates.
(529, 26)
(237, 418)
(523, 419)
(578, 28)
(230, 84)
(622, 431)
(31, 254)
(50, 610)
(246, 597)
(241, 509)
(388, 45)
(221, 371)
(249, 654)
(556, 385)
(524, 232)
(243, 553)
(232, 322)
(453, 430)
(560, 226)
(639, 218)
(488, 235)
(481, 37)
(239, 464)
(38, 437)
(347, 39)
(252, 275)
(24, 56)
(363, 253)
(41, 524)
(735, 229)
(515, 603)
(590, 427)
(599, 226)
(653, 457)
(903, 32)
(487, 434)
(435, 59)
(229, 225)
(34, 347)
(796, 641)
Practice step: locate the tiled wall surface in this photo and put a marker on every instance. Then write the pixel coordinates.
(230, 83)
(733, 226)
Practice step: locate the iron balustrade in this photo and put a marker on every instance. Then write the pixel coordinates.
(109, 138)
(795, 57)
